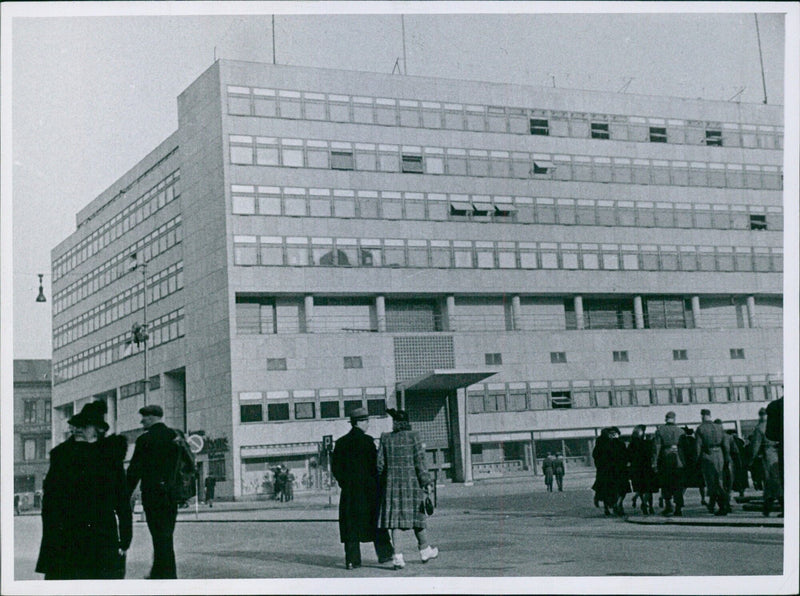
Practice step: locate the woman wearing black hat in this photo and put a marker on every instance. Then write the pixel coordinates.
(86, 515)
(404, 474)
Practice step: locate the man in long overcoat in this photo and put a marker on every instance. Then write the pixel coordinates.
(668, 464)
(766, 452)
(714, 456)
(354, 465)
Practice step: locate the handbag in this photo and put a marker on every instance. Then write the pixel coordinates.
(426, 505)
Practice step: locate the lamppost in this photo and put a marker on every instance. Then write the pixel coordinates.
(139, 332)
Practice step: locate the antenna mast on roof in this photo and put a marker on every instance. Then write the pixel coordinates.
(761, 59)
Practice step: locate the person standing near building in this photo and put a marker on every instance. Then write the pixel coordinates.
(739, 481)
(355, 467)
(643, 480)
(404, 474)
(692, 476)
(668, 464)
(774, 432)
(766, 450)
(548, 469)
(755, 452)
(87, 524)
(210, 485)
(712, 452)
(558, 470)
(153, 463)
(611, 461)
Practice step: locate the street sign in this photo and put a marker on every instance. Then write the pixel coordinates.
(327, 442)
(196, 443)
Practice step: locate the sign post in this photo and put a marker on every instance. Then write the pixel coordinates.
(327, 447)
(196, 444)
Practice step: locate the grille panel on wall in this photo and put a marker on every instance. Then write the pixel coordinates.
(428, 415)
(414, 356)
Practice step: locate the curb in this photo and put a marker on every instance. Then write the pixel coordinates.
(671, 521)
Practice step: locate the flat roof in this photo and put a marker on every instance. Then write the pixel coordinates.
(445, 378)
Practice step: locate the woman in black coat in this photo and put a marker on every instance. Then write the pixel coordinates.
(643, 478)
(611, 461)
(86, 515)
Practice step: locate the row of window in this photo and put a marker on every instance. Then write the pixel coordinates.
(156, 242)
(373, 204)
(544, 395)
(271, 103)
(338, 155)
(160, 285)
(131, 216)
(161, 330)
(279, 364)
(36, 411)
(310, 404)
(351, 252)
(137, 387)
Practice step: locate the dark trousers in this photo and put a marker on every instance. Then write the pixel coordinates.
(382, 543)
(560, 481)
(161, 513)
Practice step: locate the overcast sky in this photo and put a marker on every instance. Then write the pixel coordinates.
(91, 96)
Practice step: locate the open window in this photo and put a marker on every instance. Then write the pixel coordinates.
(412, 164)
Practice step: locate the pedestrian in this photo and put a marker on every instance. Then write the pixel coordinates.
(404, 478)
(692, 476)
(766, 450)
(712, 452)
(210, 484)
(558, 469)
(16, 504)
(668, 464)
(643, 479)
(774, 432)
(753, 457)
(548, 469)
(739, 483)
(288, 486)
(611, 480)
(154, 461)
(87, 524)
(354, 464)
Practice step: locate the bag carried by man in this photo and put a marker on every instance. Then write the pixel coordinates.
(183, 483)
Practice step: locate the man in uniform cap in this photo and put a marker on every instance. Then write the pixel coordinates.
(153, 462)
(768, 451)
(668, 464)
(354, 465)
(714, 456)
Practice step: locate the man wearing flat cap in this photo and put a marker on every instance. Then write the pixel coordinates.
(354, 465)
(153, 463)
(714, 456)
(668, 464)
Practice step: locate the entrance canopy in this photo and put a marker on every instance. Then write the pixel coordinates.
(443, 379)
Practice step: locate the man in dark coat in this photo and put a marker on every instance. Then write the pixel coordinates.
(87, 523)
(558, 470)
(692, 476)
(768, 451)
(210, 485)
(354, 465)
(611, 462)
(154, 459)
(668, 464)
(548, 469)
(714, 456)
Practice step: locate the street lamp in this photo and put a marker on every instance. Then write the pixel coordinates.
(138, 331)
(40, 297)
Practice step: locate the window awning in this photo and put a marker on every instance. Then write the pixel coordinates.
(543, 164)
(459, 206)
(442, 379)
(479, 206)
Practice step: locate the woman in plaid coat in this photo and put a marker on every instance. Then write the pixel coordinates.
(404, 474)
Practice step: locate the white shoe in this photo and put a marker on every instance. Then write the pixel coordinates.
(427, 553)
(398, 561)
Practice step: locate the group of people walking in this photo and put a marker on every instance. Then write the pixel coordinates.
(553, 467)
(382, 490)
(676, 458)
(282, 484)
(87, 519)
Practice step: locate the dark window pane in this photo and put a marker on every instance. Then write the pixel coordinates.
(350, 405)
(329, 409)
(251, 413)
(376, 407)
(278, 412)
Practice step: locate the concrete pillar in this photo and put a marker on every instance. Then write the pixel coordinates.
(638, 312)
(751, 311)
(516, 313)
(466, 449)
(309, 308)
(696, 311)
(449, 314)
(578, 302)
(380, 311)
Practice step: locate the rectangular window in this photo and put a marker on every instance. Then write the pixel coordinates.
(560, 400)
(758, 222)
(329, 409)
(658, 134)
(276, 363)
(558, 357)
(277, 412)
(353, 362)
(251, 413)
(713, 138)
(30, 411)
(304, 411)
(412, 164)
(679, 355)
(737, 353)
(29, 449)
(350, 405)
(600, 130)
(494, 359)
(540, 126)
(376, 407)
(621, 356)
(341, 160)
(47, 411)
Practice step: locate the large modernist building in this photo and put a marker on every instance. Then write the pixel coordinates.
(516, 266)
(32, 425)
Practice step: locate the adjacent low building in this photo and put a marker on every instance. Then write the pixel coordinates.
(516, 266)
(32, 424)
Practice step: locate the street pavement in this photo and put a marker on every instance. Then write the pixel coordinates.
(511, 528)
